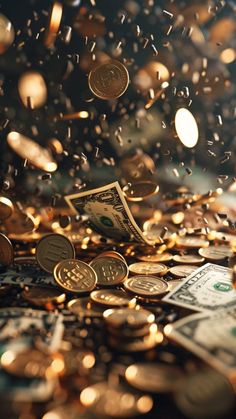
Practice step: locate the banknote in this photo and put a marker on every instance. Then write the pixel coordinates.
(108, 212)
(209, 288)
(212, 337)
(28, 276)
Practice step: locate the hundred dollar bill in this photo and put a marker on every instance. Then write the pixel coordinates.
(209, 288)
(108, 212)
(211, 337)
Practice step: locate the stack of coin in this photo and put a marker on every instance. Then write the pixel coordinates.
(131, 330)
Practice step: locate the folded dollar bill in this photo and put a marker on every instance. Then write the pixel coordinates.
(208, 289)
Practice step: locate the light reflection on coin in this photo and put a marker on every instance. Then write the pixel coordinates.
(140, 191)
(148, 268)
(39, 296)
(163, 257)
(84, 307)
(6, 251)
(108, 80)
(128, 317)
(146, 286)
(192, 242)
(110, 270)
(181, 271)
(215, 253)
(53, 248)
(75, 276)
(189, 259)
(113, 298)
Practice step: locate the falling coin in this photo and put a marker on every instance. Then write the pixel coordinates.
(108, 80)
(215, 253)
(75, 276)
(53, 248)
(181, 271)
(113, 298)
(140, 191)
(6, 251)
(148, 268)
(146, 286)
(110, 270)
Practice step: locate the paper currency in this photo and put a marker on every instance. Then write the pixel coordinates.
(108, 212)
(30, 276)
(209, 288)
(211, 337)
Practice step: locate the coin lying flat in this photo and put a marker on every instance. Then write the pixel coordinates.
(128, 317)
(53, 248)
(216, 253)
(108, 80)
(110, 270)
(84, 307)
(6, 208)
(148, 268)
(75, 276)
(181, 271)
(39, 296)
(189, 259)
(113, 254)
(191, 242)
(155, 378)
(146, 286)
(32, 363)
(112, 298)
(6, 251)
(136, 345)
(140, 191)
(128, 334)
(163, 257)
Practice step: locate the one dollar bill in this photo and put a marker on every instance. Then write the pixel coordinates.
(211, 337)
(108, 212)
(209, 288)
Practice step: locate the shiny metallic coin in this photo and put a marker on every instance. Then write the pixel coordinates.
(127, 317)
(6, 208)
(224, 238)
(32, 363)
(53, 248)
(108, 80)
(110, 270)
(163, 257)
(173, 283)
(191, 242)
(146, 286)
(216, 253)
(20, 223)
(77, 361)
(84, 307)
(154, 378)
(40, 296)
(75, 276)
(112, 298)
(181, 271)
(113, 254)
(139, 191)
(128, 333)
(114, 401)
(6, 251)
(148, 268)
(7, 33)
(136, 345)
(188, 259)
(205, 394)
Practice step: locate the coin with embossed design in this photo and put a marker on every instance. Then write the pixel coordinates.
(108, 80)
(75, 276)
(148, 268)
(112, 298)
(53, 248)
(110, 270)
(181, 271)
(146, 286)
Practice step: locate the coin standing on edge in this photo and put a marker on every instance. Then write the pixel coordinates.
(108, 80)
(53, 248)
(75, 276)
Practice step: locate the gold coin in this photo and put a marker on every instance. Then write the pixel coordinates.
(234, 277)
(75, 276)
(128, 317)
(216, 253)
(129, 334)
(140, 191)
(148, 268)
(108, 80)
(113, 298)
(6, 251)
(181, 271)
(154, 378)
(112, 253)
(110, 270)
(163, 257)
(32, 363)
(136, 345)
(191, 242)
(84, 307)
(6, 208)
(20, 223)
(146, 286)
(53, 248)
(189, 259)
(173, 283)
(40, 296)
